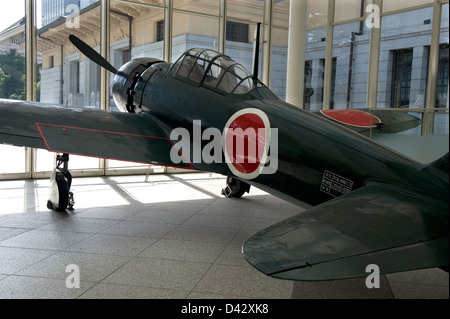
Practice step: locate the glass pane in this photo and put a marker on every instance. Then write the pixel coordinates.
(67, 77)
(12, 159)
(150, 2)
(279, 62)
(404, 55)
(241, 35)
(281, 13)
(12, 75)
(348, 9)
(443, 66)
(441, 123)
(317, 13)
(424, 149)
(314, 69)
(191, 31)
(241, 42)
(350, 66)
(248, 10)
(144, 25)
(405, 142)
(389, 5)
(280, 35)
(441, 120)
(147, 32)
(203, 6)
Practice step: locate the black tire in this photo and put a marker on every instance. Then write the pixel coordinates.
(238, 188)
(63, 194)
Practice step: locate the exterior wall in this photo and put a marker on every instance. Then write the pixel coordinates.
(399, 31)
(50, 85)
(406, 30)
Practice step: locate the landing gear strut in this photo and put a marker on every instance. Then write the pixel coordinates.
(235, 188)
(61, 198)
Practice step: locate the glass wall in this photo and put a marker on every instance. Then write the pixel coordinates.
(403, 32)
(350, 59)
(137, 30)
(349, 32)
(404, 55)
(242, 17)
(12, 78)
(441, 118)
(67, 77)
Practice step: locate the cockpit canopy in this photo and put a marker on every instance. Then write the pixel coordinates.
(214, 70)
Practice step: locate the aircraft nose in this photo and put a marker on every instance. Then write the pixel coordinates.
(126, 80)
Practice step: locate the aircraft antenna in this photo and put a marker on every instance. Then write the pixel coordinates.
(256, 58)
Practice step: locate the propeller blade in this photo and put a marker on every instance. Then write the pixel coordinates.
(91, 54)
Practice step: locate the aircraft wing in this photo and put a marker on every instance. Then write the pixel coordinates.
(395, 228)
(89, 132)
(372, 121)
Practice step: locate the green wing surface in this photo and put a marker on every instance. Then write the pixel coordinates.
(395, 228)
(89, 132)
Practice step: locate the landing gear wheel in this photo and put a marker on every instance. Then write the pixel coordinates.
(59, 194)
(61, 197)
(235, 188)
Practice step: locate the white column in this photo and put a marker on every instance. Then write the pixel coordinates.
(296, 52)
(267, 41)
(104, 51)
(105, 31)
(30, 48)
(428, 117)
(31, 70)
(374, 56)
(328, 67)
(168, 18)
(222, 26)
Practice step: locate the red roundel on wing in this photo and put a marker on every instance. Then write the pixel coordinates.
(352, 117)
(245, 142)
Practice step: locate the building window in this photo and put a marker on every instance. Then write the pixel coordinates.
(74, 77)
(442, 77)
(126, 56)
(401, 77)
(237, 32)
(160, 30)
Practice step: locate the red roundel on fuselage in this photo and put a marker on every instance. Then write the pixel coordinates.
(245, 142)
(352, 117)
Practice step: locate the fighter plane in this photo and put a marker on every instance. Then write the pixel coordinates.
(371, 205)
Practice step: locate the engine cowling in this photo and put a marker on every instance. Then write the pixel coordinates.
(125, 81)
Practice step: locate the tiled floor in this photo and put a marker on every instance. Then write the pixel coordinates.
(171, 237)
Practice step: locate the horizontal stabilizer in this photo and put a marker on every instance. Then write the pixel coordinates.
(371, 121)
